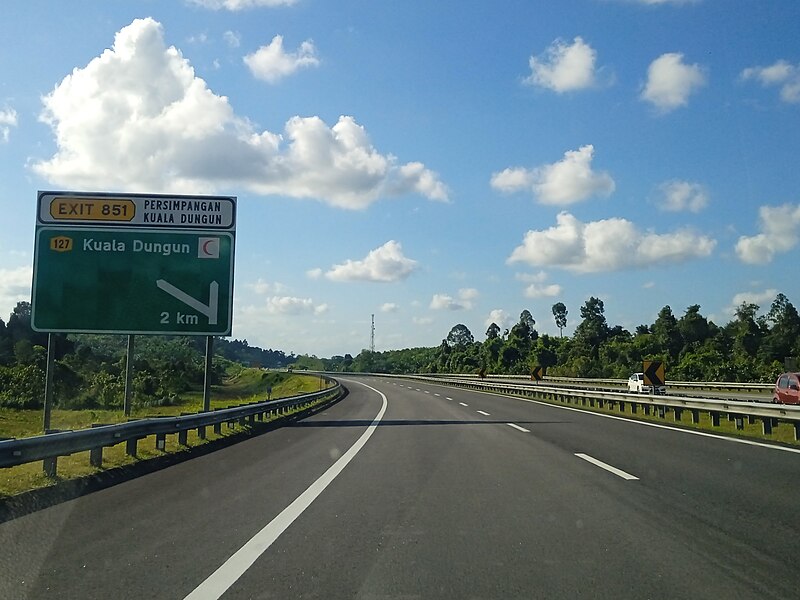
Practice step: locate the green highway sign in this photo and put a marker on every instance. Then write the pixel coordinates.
(132, 280)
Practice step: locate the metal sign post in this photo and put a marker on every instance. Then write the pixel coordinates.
(133, 264)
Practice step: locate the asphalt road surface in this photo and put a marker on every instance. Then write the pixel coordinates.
(411, 490)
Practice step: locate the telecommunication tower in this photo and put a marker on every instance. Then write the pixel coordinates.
(372, 336)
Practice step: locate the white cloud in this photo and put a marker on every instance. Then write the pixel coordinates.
(678, 196)
(606, 245)
(670, 82)
(235, 5)
(290, 305)
(564, 67)
(500, 318)
(658, 2)
(233, 38)
(272, 63)
(783, 74)
(384, 264)
(15, 286)
(389, 307)
(138, 118)
(314, 273)
(8, 119)
(565, 182)
(536, 290)
(760, 298)
(536, 285)
(779, 233)
(465, 300)
(263, 287)
(422, 320)
(539, 277)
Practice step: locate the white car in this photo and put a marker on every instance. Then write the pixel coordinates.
(636, 385)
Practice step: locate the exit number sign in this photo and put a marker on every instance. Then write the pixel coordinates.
(98, 268)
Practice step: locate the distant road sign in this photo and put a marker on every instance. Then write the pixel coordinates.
(137, 210)
(102, 280)
(653, 373)
(537, 374)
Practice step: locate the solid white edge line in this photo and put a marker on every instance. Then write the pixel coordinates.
(657, 425)
(485, 414)
(518, 428)
(607, 467)
(232, 569)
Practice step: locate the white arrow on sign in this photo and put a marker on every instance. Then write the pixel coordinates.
(209, 311)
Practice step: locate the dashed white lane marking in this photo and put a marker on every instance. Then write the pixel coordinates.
(427, 392)
(607, 467)
(517, 427)
(232, 569)
(449, 398)
(485, 414)
(463, 404)
(437, 395)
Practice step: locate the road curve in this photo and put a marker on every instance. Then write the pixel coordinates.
(453, 494)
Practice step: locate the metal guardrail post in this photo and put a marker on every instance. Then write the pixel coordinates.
(131, 447)
(161, 441)
(50, 466)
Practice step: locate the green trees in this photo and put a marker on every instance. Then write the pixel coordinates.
(89, 369)
(748, 348)
(460, 336)
(560, 316)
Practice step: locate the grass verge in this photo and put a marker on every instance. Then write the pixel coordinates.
(245, 387)
(781, 433)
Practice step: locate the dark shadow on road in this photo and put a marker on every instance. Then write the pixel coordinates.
(395, 423)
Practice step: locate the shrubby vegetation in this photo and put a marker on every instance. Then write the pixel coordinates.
(748, 348)
(90, 369)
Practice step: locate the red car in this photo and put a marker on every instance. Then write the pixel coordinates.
(787, 389)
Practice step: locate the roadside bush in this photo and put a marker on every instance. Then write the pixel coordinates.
(22, 386)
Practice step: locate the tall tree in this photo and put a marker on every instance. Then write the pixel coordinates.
(783, 339)
(593, 330)
(665, 330)
(493, 332)
(460, 336)
(746, 330)
(524, 329)
(693, 326)
(560, 315)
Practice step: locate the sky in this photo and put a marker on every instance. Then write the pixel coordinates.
(431, 163)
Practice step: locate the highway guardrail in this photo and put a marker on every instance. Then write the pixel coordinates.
(731, 386)
(768, 414)
(50, 446)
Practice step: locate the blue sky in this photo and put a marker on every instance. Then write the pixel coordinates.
(432, 163)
